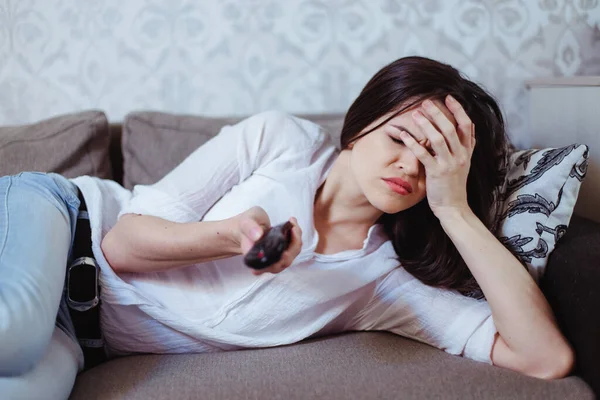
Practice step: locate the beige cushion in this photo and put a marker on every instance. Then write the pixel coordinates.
(154, 143)
(72, 145)
(354, 365)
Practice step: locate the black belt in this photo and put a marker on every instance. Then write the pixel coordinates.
(83, 291)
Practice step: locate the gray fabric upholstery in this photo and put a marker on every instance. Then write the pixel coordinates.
(354, 365)
(154, 142)
(72, 145)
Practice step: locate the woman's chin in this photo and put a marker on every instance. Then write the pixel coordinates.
(392, 205)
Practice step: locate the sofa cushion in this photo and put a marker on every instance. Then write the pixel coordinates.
(354, 365)
(154, 142)
(72, 145)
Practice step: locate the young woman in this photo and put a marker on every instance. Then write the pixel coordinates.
(392, 232)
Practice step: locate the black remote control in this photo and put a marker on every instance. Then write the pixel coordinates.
(268, 249)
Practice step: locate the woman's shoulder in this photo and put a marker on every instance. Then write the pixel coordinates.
(284, 126)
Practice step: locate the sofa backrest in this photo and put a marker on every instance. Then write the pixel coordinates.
(153, 143)
(142, 149)
(72, 144)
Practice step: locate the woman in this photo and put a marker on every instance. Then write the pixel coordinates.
(390, 233)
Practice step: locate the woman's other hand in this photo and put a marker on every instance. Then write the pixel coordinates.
(453, 143)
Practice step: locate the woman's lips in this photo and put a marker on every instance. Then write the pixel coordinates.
(397, 188)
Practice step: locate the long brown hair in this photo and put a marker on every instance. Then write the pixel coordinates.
(422, 246)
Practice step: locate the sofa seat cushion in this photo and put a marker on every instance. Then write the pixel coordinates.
(352, 365)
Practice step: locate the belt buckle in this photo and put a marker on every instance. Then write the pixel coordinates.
(86, 269)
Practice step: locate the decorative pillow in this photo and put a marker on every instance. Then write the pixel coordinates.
(72, 145)
(156, 142)
(538, 199)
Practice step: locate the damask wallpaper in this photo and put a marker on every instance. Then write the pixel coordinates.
(238, 57)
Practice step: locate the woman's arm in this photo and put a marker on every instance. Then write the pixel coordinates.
(143, 243)
(158, 228)
(529, 339)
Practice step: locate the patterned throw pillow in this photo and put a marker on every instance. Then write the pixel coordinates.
(538, 197)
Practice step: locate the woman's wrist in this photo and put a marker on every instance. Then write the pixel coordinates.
(229, 229)
(453, 214)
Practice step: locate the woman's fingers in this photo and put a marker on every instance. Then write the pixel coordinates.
(465, 125)
(444, 125)
(296, 241)
(437, 140)
(290, 254)
(418, 150)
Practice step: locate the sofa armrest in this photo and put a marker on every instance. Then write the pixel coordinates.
(571, 285)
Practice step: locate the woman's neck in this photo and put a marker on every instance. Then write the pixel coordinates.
(339, 203)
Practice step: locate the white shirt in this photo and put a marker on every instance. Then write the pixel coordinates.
(276, 161)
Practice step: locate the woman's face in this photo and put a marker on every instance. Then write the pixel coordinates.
(382, 155)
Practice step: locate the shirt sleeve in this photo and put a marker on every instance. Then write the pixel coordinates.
(187, 192)
(442, 318)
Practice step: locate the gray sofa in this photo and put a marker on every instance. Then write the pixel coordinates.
(352, 365)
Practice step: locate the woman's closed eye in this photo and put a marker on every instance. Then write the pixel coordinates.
(397, 140)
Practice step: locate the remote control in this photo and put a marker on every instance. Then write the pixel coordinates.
(268, 249)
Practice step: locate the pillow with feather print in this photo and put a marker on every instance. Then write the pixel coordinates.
(537, 201)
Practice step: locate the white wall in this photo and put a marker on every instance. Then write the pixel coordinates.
(237, 57)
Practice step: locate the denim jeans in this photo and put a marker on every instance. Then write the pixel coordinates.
(39, 354)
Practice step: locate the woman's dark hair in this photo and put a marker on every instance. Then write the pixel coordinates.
(422, 246)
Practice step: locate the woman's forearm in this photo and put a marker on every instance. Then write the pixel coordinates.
(141, 243)
(521, 313)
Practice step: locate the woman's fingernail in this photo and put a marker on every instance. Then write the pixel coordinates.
(256, 233)
(452, 99)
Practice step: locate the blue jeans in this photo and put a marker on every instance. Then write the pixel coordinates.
(39, 354)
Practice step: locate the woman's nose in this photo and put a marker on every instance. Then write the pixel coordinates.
(410, 164)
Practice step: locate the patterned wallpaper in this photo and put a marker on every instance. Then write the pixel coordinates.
(238, 57)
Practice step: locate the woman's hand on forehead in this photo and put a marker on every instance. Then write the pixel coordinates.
(453, 144)
(442, 106)
(399, 123)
